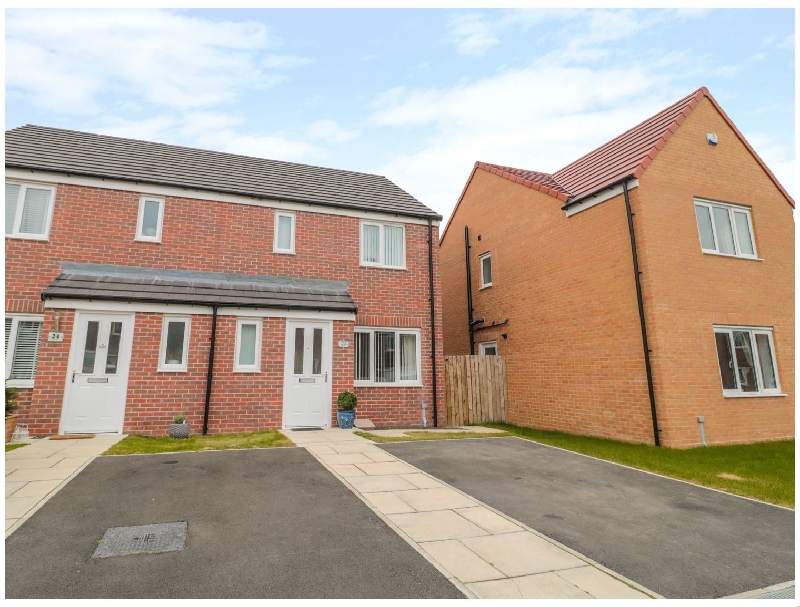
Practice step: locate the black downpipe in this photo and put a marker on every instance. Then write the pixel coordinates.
(636, 274)
(433, 321)
(470, 323)
(210, 368)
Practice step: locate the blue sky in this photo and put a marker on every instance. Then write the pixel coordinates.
(416, 95)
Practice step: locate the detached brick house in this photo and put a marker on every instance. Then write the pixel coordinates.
(145, 281)
(637, 292)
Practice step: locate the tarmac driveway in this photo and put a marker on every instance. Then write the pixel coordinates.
(677, 539)
(266, 523)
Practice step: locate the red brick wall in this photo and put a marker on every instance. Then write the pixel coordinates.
(93, 225)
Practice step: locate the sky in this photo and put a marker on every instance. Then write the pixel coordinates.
(417, 95)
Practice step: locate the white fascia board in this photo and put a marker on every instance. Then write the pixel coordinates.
(119, 306)
(601, 196)
(158, 190)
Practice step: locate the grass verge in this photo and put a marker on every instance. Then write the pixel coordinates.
(15, 446)
(135, 443)
(413, 435)
(763, 471)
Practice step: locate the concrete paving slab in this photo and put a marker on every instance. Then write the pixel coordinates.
(388, 502)
(353, 447)
(461, 561)
(320, 449)
(73, 462)
(441, 498)
(384, 468)
(373, 484)
(522, 553)
(421, 481)
(496, 589)
(32, 463)
(347, 470)
(13, 486)
(436, 525)
(10, 522)
(40, 474)
(548, 586)
(380, 456)
(346, 458)
(16, 507)
(601, 586)
(485, 518)
(38, 489)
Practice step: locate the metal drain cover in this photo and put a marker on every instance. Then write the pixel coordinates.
(144, 539)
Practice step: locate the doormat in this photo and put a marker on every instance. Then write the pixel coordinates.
(143, 539)
(306, 429)
(70, 436)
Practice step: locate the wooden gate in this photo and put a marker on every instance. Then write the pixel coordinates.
(475, 389)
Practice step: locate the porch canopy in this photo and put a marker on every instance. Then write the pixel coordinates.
(103, 282)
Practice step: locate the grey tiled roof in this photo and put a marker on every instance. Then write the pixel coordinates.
(135, 284)
(88, 154)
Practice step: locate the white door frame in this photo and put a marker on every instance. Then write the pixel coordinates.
(126, 351)
(327, 369)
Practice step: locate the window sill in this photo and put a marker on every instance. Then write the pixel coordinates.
(753, 395)
(168, 370)
(386, 385)
(247, 370)
(41, 238)
(732, 256)
(150, 240)
(283, 252)
(489, 286)
(380, 267)
(19, 383)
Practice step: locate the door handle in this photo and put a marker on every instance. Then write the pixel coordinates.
(326, 377)
(74, 373)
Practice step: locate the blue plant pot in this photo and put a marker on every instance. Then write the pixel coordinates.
(345, 419)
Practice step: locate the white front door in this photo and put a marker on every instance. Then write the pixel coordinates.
(97, 382)
(307, 381)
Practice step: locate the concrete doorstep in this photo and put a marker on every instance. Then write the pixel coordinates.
(483, 552)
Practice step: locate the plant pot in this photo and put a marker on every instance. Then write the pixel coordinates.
(345, 418)
(179, 430)
(11, 425)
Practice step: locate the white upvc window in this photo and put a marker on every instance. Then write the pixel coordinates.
(383, 245)
(151, 218)
(747, 363)
(725, 229)
(385, 357)
(488, 348)
(247, 358)
(23, 338)
(29, 210)
(284, 232)
(174, 352)
(486, 270)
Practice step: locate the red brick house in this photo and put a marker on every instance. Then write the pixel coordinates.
(146, 281)
(644, 292)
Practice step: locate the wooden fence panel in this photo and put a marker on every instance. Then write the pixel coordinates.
(475, 389)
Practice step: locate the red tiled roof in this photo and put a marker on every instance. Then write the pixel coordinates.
(626, 156)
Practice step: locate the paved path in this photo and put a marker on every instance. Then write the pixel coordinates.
(482, 551)
(36, 472)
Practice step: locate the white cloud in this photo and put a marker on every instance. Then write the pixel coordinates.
(72, 61)
(472, 34)
(330, 131)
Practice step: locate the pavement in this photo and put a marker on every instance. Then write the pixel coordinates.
(675, 538)
(37, 471)
(478, 548)
(262, 523)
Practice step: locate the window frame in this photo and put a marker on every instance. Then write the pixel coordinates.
(163, 367)
(753, 331)
(140, 219)
(23, 186)
(397, 331)
(487, 255)
(12, 345)
(254, 368)
(381, 263)
(710, 204)
(291, 215)
(488, 344)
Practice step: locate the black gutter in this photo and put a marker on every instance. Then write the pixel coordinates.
(210, 376)
(433, 321)
(636, 274)
(470, 322)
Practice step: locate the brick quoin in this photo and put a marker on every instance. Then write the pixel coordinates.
(574, 350)
(98, 225)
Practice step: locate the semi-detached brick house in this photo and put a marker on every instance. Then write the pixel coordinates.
(126, 260)
(553, 254)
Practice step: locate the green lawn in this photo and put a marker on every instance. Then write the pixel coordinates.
(135, 443)
(764, 471)
(412, 435)
(14, 446)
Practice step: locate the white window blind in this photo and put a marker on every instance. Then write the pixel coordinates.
(23, 338)
(393, 240)
(9, 323)
(371, 244)
(12, 197)
(28, 210)
(725, 229)
(387, 356)
(383, 245)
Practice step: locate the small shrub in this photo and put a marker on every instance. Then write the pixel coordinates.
(11, 400)
(181, 419)
(347, 401)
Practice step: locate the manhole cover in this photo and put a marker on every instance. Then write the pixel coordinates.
(144, 539)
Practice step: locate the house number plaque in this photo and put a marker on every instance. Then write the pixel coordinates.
(54, 336)
(344, 343)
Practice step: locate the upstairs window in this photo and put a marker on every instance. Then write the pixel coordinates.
(383, 245)
(151, 217)
(746, 361)
(486, 270)
(29, 210)
(23, 337)
(725, 229)
(284, 232)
